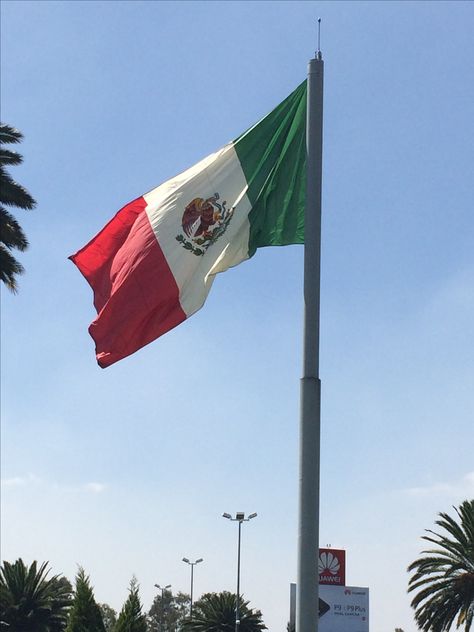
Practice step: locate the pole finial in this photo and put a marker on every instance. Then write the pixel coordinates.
(319, 54)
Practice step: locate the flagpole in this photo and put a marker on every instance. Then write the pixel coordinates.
(307, 610)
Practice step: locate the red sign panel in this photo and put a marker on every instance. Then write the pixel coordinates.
(332, 567)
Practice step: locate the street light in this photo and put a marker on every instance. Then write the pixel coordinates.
(162, 588)
(192, 565)
(239, 517)
(163, 609)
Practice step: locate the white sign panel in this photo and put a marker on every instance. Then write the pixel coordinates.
(343, 609)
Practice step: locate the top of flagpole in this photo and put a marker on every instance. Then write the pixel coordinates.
(319, 54)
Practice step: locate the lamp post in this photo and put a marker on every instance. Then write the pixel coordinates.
(240, 518)
(192, 565)
(163, 590)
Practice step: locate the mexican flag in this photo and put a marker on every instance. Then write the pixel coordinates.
(153, 264)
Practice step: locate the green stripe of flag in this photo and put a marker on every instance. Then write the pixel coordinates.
(273, 158)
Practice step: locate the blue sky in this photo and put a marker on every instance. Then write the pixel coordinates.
(126, 470)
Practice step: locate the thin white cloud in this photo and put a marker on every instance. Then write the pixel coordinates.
(20, 481)
(31, 479)
(95, 488)
(463, 487)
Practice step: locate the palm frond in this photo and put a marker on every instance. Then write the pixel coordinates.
(10, 268)
(13, 194)
(30, 601)
(444, 577)
(8, 157)
(9, 134)
(11, 233)
(215, 612)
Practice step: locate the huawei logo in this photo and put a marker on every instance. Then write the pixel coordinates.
(328, 563)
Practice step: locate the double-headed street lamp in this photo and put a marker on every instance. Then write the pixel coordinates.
(163, 609)
(162, 588)
(240, 518)
(192, 565)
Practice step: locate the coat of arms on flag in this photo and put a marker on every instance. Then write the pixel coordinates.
(204, 221)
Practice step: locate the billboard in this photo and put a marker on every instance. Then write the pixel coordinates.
(332, 567)
(343, 609)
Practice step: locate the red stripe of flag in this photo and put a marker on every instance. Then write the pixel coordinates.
(135, 293)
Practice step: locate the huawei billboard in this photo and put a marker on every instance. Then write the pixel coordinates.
(332, 567)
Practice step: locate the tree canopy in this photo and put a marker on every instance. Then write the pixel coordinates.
(109, 616)
(444, 576)
(168, 611)
(12, 194)
(29, 601)
(85, 615)
(131, 617)
(215, 612)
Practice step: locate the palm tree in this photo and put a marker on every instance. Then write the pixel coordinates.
(11, 194)
(215, 612)
(445, 575)
(29, 601)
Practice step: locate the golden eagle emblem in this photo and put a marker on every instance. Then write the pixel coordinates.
(203, 222)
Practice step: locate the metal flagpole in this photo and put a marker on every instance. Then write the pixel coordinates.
(307, 609)
(237, 595)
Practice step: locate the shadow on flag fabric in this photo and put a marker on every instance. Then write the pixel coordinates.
(153, 264)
